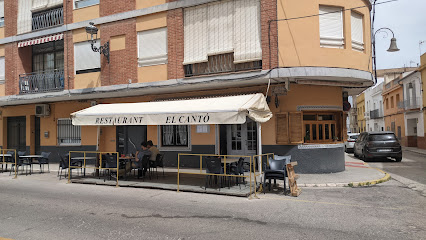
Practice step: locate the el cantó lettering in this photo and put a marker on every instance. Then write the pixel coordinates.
(118, 120)
(185, 119)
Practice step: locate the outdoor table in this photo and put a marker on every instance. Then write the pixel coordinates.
(125, 160)
(2, 156)
(80, 160)
(30, 159)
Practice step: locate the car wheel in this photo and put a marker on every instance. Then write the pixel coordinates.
(398, 159)
(363, 157)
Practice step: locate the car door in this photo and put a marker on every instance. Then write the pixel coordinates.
(357, 143)
(362, 143)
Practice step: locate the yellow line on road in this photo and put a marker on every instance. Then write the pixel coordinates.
(329, 203)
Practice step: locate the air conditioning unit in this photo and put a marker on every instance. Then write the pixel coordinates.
(42, 110)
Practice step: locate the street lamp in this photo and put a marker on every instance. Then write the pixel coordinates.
(392, 47)
(93, 31)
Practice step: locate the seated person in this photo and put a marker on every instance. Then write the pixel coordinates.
(154, 151)
(139, 164)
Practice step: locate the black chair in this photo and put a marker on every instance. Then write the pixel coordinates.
(12, 160)
(275, 170)
(238, 169)
(9, 159)
(44, 160)
(214, 166)
(110, 163)
(24, 162)
(158, 163)
(64, 165)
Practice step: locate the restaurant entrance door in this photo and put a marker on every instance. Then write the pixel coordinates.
(129, 138)
(16, 133)
(242, 138)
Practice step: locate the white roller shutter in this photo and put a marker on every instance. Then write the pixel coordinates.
(2, 70)
(331, 27)
(39, 5)
(85, 58)
(152, 47)
(1, 8)
(195, 34)
(24, 23)
(357, 31)
(220, 25)
(54, 3)
(247, 31)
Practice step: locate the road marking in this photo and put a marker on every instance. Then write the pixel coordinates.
(329, 203)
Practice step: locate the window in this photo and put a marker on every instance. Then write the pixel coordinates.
(48, 56)
(323, 127)
(174, 136)
(223, 27)
(357, 31)
(68, 134)
(152, 47)
(387, 103)
(1, 13)
(282, 128)
(86, 60)
(392, 104)
(84, 3)
(331, 27)
(397, 98)
(2, 70)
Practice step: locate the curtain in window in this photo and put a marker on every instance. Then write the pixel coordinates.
(357, 31)
(331, 27)
(152, 47)
(85, 58)
(2, 70)
(168, 135)
(181, 135)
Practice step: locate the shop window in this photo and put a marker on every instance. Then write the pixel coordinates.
(174, 136)
(323, 129)
(68, 134)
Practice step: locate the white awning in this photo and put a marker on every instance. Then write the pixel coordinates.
(41, 40)
(218, 110)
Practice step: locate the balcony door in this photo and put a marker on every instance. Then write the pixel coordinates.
(48, 56)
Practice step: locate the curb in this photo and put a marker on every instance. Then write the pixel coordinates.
(386, 178)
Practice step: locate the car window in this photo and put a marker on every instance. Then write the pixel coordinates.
(354, 137)
(359, 139)
(382, 137)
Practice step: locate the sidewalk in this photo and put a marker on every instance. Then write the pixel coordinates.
(414, 150)
(357, 173)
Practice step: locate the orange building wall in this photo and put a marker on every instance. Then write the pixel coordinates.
(299, 39)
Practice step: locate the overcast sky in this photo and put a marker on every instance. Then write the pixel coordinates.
(407, 18)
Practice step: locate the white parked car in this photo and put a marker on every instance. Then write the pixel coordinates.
(349, 143)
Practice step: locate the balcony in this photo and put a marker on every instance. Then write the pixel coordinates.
(48, 18)
(375, 114)
(411, 103)
(40, 82)
(223, 63)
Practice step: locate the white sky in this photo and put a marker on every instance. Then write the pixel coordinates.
(407, 19)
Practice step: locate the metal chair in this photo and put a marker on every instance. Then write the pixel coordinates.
(44, 160)
(24, 162)
(214, 166)
(276, 170)
(64, 165)
(238, 169)
(110, 163)
(158, 163)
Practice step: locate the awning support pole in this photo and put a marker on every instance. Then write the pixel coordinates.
(98, 133)
(259, 146)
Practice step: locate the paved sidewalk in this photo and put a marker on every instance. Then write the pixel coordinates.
(357, 173)
(414, 150)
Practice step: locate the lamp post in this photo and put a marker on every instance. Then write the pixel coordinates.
(93, 31)
(392, 47)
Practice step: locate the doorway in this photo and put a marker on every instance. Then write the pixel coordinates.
(37, 135)
(16, 133)
(242, 138)
(129, 138)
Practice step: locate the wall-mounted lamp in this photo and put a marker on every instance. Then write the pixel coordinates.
(93, 31)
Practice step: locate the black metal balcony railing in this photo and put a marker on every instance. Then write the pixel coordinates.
(38, 82)
(376, 113)
(222, 63)
(49, 18)
(411, 103)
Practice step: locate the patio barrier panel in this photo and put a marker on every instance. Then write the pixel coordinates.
(3, 152)
(225, 170)
(98, 162)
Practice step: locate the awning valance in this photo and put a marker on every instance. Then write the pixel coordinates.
(218, 110)
(41, 40)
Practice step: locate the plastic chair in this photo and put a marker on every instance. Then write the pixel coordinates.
(214, 166)
(44, 160)
(276, 170)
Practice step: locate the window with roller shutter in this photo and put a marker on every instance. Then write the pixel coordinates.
(357, 31)
(331, 27)
(282, 128)
(295, 123)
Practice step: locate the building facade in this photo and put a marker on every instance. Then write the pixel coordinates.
(163, 49)
(422, 70)
(360, 104)
(374, 108)
(393, 112)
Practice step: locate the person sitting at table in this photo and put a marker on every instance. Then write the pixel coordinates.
(139, 159)
(154, 151)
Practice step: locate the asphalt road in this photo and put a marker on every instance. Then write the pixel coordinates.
(42, 207)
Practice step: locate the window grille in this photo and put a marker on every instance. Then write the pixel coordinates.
(68, 133)
(48, 18)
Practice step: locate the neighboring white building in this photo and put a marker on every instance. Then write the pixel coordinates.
(374, 108)
(412, 105)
